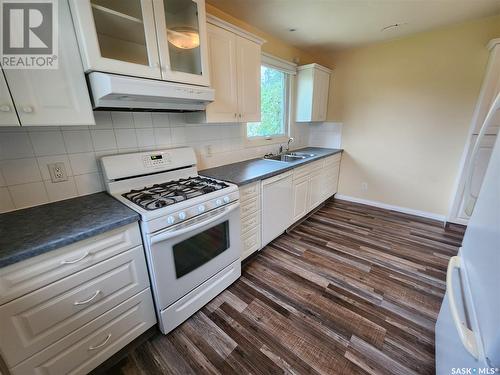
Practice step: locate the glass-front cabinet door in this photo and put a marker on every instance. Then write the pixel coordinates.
(182, 40)
(117, 36)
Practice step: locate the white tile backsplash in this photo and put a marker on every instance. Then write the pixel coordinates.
(122, 120)
(83, 163)
(61, 190)
(78, 141)
(6, 203)
(126, 138)
(20, 171)
(27, 195)
(15, 145)
(25, 152)
(47, 142)
(325, 134)
(89, 183)
(103, 139)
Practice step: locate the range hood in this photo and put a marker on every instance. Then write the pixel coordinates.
(112, 91)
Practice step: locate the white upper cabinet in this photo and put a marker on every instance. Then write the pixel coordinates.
(8, 115)
(248, 56)
(52, 96)
(313, 82)
(117, 36)
(182, 40)
(223, 75)
(160, 39)
(235, 59)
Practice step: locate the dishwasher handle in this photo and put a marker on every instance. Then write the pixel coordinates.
(277, 178)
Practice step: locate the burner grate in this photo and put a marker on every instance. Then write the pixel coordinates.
(162, 195)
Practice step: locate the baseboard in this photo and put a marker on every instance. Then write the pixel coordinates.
(410, 211)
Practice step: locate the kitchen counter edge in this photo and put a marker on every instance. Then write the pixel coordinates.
(33, 231)
(246, 172)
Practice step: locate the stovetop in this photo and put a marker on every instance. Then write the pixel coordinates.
(165, 194)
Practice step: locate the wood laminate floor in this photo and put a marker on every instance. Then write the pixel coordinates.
(352, 290)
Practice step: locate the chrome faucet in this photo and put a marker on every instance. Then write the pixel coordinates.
(290, 140)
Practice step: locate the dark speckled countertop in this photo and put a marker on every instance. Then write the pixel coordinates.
(37, 230)
(248, 171)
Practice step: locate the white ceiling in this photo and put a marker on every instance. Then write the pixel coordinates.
(336, 24)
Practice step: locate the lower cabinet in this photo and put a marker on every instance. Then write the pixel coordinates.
(68, 310)
(314, 183)
(270, 206)
(250, 218)
(300, 197)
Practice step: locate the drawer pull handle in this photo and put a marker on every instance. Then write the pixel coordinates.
(86, 254)
(101, 344)
(84, 302)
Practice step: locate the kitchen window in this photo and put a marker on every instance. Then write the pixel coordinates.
(275, 84)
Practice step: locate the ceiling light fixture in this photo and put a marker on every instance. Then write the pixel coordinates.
(393, 26)
(183, 37)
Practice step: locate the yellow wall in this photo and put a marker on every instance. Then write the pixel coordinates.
(406, 106)
(273, 46)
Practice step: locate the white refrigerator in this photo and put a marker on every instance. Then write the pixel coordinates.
(468, 326)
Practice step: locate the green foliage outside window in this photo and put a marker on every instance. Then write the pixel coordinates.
(273, 97)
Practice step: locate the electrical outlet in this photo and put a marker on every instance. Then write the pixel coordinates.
(208, 150)
(364, 186)
(57, 172)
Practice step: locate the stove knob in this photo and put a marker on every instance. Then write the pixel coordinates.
(182, 215)
(218, 202)
(226, 199)
(201, 208)
(170, 220)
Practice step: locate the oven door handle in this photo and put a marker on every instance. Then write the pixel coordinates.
(170, 233)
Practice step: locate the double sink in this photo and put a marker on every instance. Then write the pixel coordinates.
(289, 157)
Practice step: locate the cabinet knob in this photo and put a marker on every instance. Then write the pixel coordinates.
(27, 109)
(235, 115)
(5, 108)
(239, 115)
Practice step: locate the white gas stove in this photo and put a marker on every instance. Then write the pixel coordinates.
(190, 226)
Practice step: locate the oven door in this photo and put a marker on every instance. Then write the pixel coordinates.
(184, 256)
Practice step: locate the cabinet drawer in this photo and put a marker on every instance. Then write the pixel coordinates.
(250, 222)
(24, 277)
(332, 160)
(332, 169)
(307, 169)
(84, 349)
(301, 172)
(34, 321)
(249, 207)
(251, 242)
(249, 191)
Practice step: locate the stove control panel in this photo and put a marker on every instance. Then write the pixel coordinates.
(189, 212)
(156, 160)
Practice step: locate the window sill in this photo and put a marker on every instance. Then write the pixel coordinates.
(263, 141)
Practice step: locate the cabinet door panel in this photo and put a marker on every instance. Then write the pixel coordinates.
(54, 96)
(117, 36)
(222, 57)
(182, 40)
(300, 198)
(8, 115)
(320, 98)
(248, 65)
(315, 189)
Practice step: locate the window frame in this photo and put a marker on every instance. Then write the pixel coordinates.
(277, 138)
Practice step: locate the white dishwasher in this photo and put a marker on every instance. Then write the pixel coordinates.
(277, 206)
